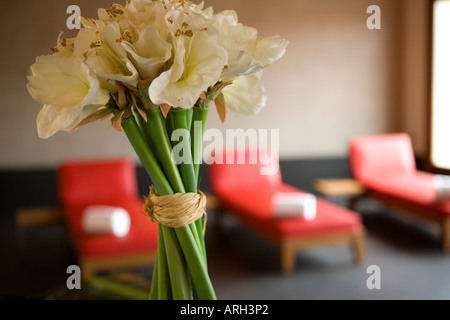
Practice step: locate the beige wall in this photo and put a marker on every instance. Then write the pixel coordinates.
(337, 80)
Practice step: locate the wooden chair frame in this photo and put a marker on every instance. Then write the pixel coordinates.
(419, 212)
(289, 246)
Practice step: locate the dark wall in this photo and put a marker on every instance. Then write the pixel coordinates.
(23, 188)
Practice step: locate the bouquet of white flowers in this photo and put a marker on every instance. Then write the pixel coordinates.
(155, 67)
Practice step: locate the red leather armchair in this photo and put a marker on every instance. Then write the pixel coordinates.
(246, 194)
(109, 182)
(385, 165)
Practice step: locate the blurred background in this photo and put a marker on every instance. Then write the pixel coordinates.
(338, 80)
(337, 76)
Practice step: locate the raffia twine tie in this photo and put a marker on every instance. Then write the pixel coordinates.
(175, 210)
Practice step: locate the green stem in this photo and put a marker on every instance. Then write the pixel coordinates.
(185, 248)
(178, 276)
(142, 125)
(118, 288)
(195, 233)
(199, 116)
(155, 131)
(200, 238)
(180, 118)
(154, 289)
(189, 114)
(163, 280)
(169, 126)
(169, 244)
(144, 153)
(186, 166)
(196, 264)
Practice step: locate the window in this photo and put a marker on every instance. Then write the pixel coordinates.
(440, 87)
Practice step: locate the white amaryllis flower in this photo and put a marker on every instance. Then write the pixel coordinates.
(69, 91)
(197, 63)
(102, 50)
(246, 96)
(124, 44)
(149, 53)
(147, 12)
(139, 12)
(247, 53)
(136, 13)
(64, 47)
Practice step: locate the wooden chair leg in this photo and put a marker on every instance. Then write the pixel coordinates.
(219, 214)
(287, 256)
(86, 270)
(353, 201)
(358, 243)
(445, 227)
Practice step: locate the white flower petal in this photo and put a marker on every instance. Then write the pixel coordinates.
(247, 54)
(246, 96)
(104, 54)
(157, 88)
(83, 42)
(67, 88)
(96, 95)
(61, 82)
(198, 64)
(49, 122)
(110, 36)
(270, 49)
(149, 53)
(243, 64)
(108, 65)
(64, 47)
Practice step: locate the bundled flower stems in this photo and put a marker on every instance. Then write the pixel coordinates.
(154, 67)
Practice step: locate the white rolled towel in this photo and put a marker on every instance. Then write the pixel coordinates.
(99, 219)
(442, 185)
(294, 204)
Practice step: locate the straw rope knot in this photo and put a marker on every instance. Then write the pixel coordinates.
(175, 210)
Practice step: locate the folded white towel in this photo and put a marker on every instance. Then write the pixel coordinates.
(106, 219)
(442, 185)
(294, 204)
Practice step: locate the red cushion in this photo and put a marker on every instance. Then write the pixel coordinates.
(254, 206)
(89, 181)
(142, 236)
(381, 154)
(417, 187)
(247, 169)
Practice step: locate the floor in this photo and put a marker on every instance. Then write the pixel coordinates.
(411, 264)
(244, 266)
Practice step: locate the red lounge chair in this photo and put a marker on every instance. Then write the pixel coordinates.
(105, 182)
(246, 194)
(385, 165)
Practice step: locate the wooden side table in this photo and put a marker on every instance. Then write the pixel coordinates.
(38, 216)
(347, 188)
